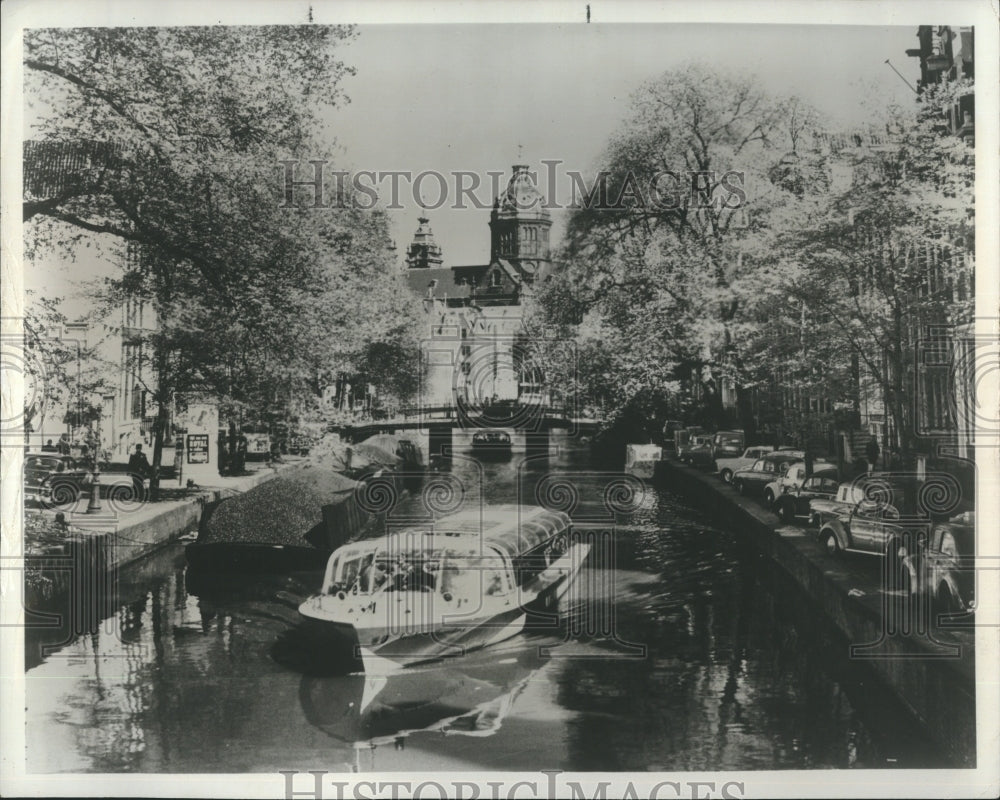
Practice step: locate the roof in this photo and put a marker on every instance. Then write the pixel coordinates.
(419, 280)
(53, 168)
(513, 528)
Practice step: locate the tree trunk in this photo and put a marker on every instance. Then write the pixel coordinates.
(163, 396)
(744, 406)
(159, 426)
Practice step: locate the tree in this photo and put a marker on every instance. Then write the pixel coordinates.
(886, 257)
(679, 258)
(58, 369)
(171, 140)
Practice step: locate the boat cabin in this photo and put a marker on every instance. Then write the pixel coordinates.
(465, 555)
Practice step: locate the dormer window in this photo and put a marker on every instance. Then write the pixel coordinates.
(495, 278)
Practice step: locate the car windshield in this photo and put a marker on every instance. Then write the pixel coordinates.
(42, 462)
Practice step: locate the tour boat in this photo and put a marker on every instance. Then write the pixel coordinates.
(467, 581)
(491, 443)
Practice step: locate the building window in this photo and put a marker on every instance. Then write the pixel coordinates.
(495, 279)
(136, 401)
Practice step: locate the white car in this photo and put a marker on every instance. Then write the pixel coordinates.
(727, 466)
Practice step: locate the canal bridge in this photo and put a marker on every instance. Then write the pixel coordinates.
(533, 420)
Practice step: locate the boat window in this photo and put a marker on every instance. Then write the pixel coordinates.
(331, 571)
(469, 576)
(406, 572)
(350, 571)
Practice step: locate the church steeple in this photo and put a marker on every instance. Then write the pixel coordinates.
(520, 223)
(423, 251)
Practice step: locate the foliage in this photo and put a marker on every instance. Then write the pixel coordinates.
(58, 368)
(683, 282)
(171, 141)
(886, 257)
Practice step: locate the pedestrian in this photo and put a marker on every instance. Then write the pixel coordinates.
(63, 446)
(138, 468)
(872, 452)
(241, 455)
(48, 447)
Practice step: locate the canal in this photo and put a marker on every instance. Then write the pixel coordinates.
(679, 649)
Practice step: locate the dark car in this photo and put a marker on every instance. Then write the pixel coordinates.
(698, 451)
(764, 470)
(796, 502)
(873, 526)
(945, 565)
(56, 480)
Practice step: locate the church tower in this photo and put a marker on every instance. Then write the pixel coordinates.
(519, 224)
(423, 252)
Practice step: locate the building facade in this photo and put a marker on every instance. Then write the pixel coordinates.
(475, 351)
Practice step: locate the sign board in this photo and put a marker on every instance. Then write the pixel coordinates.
(200, 421)
(197, 448)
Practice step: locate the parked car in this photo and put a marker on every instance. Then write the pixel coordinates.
(728, 466)
(728, 444)
(792, 478)
(764, 471)
(795, 502)
(753, 479)
(698, 452)
(872, 527)
(683, 436)
(945, 565)
(848, 495)
(55, 479)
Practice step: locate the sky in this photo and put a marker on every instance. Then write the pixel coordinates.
(472, 97)
(481, 98)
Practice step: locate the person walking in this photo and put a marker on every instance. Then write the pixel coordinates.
(138, 467)
(872, 453)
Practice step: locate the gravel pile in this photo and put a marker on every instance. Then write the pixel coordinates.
(282, 510)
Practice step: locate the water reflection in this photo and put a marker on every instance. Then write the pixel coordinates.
(467, 696)
(736, 672)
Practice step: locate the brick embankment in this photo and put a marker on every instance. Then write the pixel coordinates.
(931, 671)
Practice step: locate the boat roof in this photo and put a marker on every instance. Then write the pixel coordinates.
(513, 528)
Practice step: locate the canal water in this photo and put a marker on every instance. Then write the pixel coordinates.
(679, 648)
